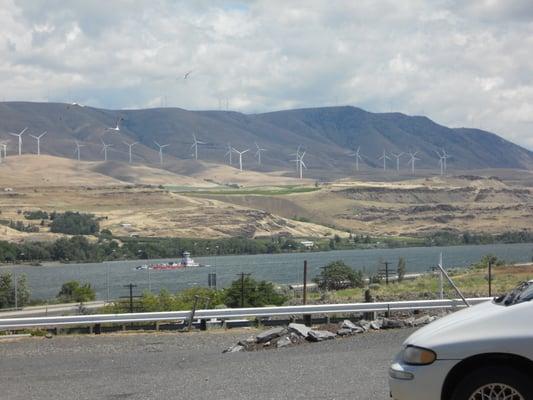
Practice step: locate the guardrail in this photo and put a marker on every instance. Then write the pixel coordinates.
(228, 313)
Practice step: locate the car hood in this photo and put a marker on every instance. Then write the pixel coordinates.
(486, 327)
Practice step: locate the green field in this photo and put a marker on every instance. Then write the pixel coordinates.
(258, 191)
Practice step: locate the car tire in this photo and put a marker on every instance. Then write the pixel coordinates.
(498, 379)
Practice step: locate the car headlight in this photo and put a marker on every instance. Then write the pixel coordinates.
(418, 356)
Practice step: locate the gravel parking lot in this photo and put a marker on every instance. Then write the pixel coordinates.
(192, 366)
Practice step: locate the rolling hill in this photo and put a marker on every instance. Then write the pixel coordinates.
(327, 135)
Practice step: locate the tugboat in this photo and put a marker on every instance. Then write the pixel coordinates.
(186, 262)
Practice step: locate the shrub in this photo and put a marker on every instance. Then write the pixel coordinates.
(337, 275)
(74, 223)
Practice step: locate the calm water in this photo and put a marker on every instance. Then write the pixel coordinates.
(45, 281)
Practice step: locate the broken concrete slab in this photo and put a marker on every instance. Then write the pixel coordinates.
(319, 336)
(299, 329)
(267, 336)
(283, 342)
(344, 332)
(347, 324)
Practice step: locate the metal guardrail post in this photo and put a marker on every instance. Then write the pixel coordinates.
(193, 311)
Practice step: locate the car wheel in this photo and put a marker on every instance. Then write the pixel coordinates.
(494, 383)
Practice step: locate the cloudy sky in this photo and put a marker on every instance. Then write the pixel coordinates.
(462, 63)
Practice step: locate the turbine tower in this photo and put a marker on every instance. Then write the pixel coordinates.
(412, 160)
(195, 144)
(130, 145)
(4, 147)
(229, 153)
(78, 149)
(357, 157)
(161, 147)
(441, 162)
(300, 163)
(258, 153)
(240, 153)
(297, 155)
(20, 138)
(397, 156)
(104, 149)
(38, 138)
(445, 156)
(117, 127)
(384, 157)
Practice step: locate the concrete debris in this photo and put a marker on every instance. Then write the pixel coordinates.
(376, 325)
(392, 323)
(299, 329)
(267, 336)
(319, 336)
(298, 333)
(234, 349)
(347, 324)
(283, 341)
(345, 332)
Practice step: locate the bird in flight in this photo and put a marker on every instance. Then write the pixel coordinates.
(187, 74)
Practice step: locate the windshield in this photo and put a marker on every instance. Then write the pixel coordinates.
(521, 294)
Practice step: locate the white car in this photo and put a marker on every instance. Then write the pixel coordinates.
(479, 353)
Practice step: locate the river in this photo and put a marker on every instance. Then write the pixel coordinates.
(45, 281)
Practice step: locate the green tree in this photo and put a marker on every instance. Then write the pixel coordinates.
(402, 268)
(337, 275)
(73, 291)
(7, 291)
(74, 223)
(256, 294)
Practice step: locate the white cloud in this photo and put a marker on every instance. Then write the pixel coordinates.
(460, 63)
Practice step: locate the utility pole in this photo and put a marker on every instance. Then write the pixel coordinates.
(386, 272)
(242, 275)
(15, 283)
(305, 283)
(490, 278)
(131, 286)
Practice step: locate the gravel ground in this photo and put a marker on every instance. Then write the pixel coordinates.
(191, 366)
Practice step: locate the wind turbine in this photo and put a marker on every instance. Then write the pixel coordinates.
(258, 153)
(117, 127)
(78, 149)
(130, 145)
(240, 153)
(412, 160)
(161, 147)
(104, 149)
(38, 138)
(4, 146)
(357, 157)
(297, 155)
(20, 138)
(229, 153)
(445, 156)
(195, 144)
(300, 164)
(397, 156)
(384, 157)
(441, 162)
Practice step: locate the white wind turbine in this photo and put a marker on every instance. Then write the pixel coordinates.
(104, 149)
(445, 156)
(78, 149)
(4, 147)
(229, 153)
(130, 145)
(300, 164)
(117, 127)
(195, 144)
(297, 155)
(38, 138)
(441, 162)
(20, 138)
(384, 157)
(240, 153)
(258, 153)
(397, 156)
(357, 156)
(161, 147)
(412, 160)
